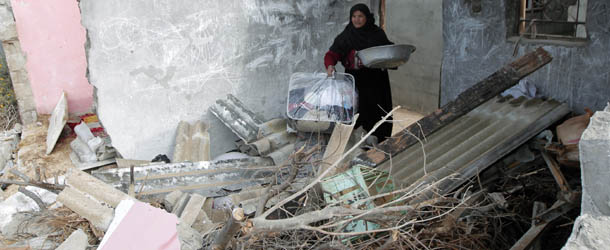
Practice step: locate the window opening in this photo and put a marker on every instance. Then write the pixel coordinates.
(553, 19)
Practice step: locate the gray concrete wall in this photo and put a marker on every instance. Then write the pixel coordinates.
(154, 63)
(416, 85)
(476, 46)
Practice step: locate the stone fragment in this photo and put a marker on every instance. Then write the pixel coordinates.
(78, 240)
(589, 232)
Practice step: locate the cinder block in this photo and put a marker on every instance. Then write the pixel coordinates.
(99, 215)
(192, 209)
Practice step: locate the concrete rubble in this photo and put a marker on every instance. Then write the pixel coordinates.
(8, 143)
(459, 176)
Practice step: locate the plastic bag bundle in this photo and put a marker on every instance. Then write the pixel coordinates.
(317, 97)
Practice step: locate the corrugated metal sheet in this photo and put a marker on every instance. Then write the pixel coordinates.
(473, 142)
(266, 138)
(208, 178)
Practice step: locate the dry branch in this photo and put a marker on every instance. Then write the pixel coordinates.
(229, 230)
(328, 170)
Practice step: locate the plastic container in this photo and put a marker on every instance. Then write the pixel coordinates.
(316, 101)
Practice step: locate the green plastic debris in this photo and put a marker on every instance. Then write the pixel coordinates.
(357, 183)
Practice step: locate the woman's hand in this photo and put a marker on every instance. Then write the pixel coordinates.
(330, 70)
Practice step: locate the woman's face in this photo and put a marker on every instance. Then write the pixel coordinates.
(358, 19)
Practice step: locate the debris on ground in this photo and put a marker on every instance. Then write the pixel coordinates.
(483, 172)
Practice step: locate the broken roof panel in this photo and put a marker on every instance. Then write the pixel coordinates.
(473, 142)
(208, 178)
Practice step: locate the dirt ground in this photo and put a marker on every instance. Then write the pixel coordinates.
(32, 153)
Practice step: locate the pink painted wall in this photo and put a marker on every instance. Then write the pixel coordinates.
(53, 39)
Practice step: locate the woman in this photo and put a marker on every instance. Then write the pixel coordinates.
(373, 85)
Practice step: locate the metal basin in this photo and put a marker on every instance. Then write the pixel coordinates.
(387, 56)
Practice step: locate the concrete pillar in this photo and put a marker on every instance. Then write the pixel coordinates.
(16, 60)
(594, 149)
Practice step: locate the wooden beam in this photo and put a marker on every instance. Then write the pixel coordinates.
(486, 89)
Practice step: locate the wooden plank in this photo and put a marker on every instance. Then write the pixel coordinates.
(486, 89)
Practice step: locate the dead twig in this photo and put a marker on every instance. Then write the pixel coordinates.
(55, 188)
(328, 170)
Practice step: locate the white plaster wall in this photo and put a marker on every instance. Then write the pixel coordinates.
(416, 85)
(154, 63)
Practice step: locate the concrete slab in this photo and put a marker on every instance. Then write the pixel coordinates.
(58, 120)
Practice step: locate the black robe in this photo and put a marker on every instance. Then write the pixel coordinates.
(373, 85)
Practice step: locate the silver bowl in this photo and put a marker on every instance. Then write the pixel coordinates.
(387, 56)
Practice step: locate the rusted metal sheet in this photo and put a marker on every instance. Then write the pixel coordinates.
(493, 85)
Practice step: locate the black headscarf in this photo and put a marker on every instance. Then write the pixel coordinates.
(364, 37)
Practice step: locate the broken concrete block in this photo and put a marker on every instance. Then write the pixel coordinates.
(58, 120)
(190, 239)
(594, 149)
(589, 232)
(95, 187)
(171, 199)
(29, 223)
(78, 240)
(96, 213)
(192, 209)
(82, 151)
(18, 202)
(83, 132)
(192, 142)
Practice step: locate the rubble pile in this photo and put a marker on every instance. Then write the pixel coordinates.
(483, 172)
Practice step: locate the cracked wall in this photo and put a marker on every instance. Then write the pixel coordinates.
(155, 63)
